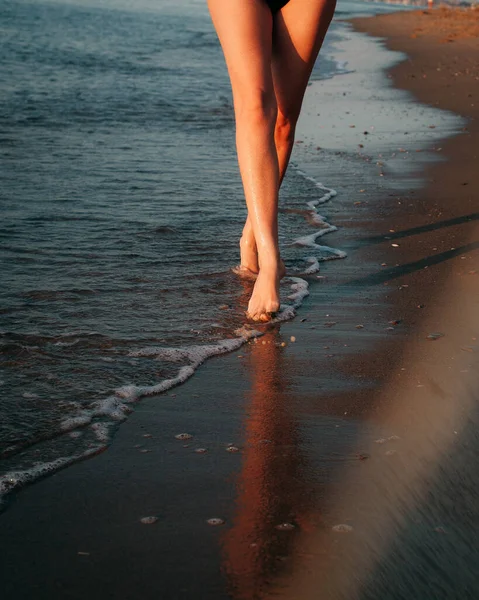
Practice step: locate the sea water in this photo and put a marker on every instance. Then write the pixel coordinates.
(121, 211)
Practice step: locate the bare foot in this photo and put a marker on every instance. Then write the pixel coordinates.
(264, 301)
(249, 266)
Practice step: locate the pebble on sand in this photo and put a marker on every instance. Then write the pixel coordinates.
(342, 528)
(435, 336)
(439, 530)
(292, 338)
(215, 521)
(148, 520)
(201, 450)
(232, 449)
(285, 527)
(183, 436)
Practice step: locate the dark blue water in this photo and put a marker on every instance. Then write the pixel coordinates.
(121, 210)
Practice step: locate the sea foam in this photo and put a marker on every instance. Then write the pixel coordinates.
(323, 253)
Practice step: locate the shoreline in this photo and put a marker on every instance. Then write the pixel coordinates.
(305, 435)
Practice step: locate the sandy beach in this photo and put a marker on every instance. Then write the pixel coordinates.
(336, 456)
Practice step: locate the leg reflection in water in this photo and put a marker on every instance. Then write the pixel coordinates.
(272, 499)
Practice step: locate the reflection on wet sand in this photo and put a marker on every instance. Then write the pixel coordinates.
(412, 506)
(272, 500)
(399, 525)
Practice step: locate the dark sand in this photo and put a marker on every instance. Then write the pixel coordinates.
(361, 422)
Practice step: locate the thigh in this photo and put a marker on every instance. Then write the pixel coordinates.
(298, 33)
(244, 28)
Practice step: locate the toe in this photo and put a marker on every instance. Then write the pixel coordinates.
(263, 317)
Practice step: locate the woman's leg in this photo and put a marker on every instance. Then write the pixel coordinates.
(298, 33)
(244, 28)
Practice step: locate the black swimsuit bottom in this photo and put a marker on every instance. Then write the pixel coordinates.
(276, 5)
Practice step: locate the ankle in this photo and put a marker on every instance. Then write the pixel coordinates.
(271, 261)
(247, 241)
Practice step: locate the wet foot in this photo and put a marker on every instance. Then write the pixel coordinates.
(246, 273)
(249, 266)
(264, 302)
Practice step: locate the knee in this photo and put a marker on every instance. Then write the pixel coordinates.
(284, 129)
(257, 109)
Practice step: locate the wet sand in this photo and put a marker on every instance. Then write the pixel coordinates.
(342, 464)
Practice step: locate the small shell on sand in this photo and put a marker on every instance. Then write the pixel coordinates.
(292, 338)
(183, 436)
(232, 449)
(215, 521)
(201, 450)
(342, 528)
(148, 520)
(144, 451)
(285, 527)
(435, 336)
(147, 435)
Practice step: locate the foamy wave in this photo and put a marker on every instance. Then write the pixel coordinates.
(300, 291)
(194, 355)
(310, 240)
(323, 253)
(313, 265)
(328, 193)
(14, 480)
